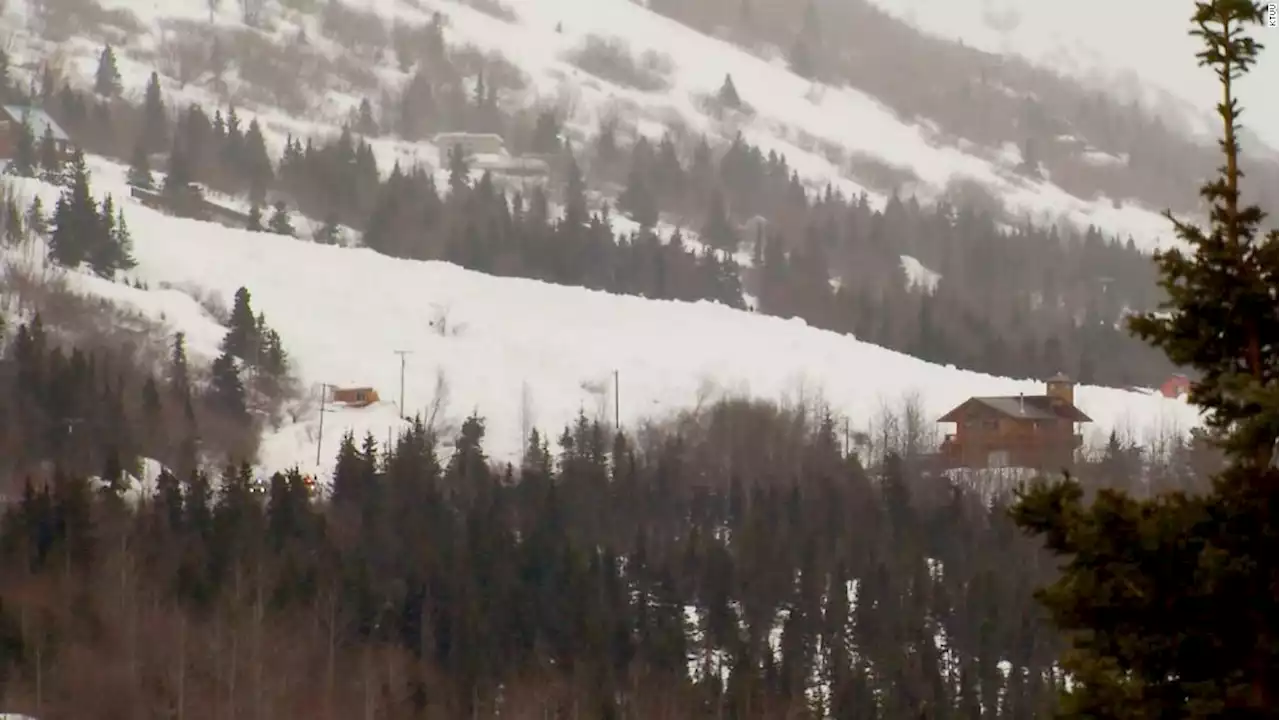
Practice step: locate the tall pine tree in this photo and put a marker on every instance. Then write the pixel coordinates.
(106, 81)
(77, 225)
(1171, 602)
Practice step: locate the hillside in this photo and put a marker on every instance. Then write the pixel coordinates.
(647, 69)
(1159, 73)
(343, 313)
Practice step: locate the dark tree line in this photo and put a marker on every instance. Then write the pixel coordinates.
(737, 564)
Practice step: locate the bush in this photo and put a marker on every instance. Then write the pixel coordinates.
(609, 59)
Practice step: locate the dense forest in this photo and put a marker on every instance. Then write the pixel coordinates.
(1023, 300)
(734, 562)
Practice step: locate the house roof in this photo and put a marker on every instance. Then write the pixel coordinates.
(1026, 407)
(39, 120)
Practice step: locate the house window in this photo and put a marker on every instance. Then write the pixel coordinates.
(991, 424)
(998, 459)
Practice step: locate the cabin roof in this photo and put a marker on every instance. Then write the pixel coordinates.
(39, 120)
(1026, 407)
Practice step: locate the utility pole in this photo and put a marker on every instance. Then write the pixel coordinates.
(617, 410)
(324, 392)
(402, 354)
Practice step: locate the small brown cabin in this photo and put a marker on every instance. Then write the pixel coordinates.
(1033, 431)
(354, 396)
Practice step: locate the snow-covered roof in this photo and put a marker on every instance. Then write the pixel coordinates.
(38, 119)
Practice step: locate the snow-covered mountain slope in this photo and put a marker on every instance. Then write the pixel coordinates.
(818, 128)
(1138, 50)
(519, 352)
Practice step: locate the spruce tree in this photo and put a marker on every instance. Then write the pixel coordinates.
(717, 232)
(280, 223)
(255, 163)
(728, 95)
(155, 123)
(113, 251)
(330, 233)
(459, 172)
(77, 225)
(1171, 602)
(14, 223)
(226, 390)
(104, 257)
(365, 124)
(37, 223)
(50, 161)
(25, 158)
(140, 167)
(242, 338)
(106, 81)
(6, 79)
(637, 200)
(179, 369)
(255, 218)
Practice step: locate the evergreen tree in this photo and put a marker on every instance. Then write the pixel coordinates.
(546, 134)
(50, 161)
(637, 200)
(6, 79)
(14, 226)
(717, 232)
(140, 167)
(178, 189)
(25, 158)
(122, 243)
(255, 219)
(728, 95)
(77, 225)
(365, 124)
(106, 81)
(155, 124)
(111, 249)
(242, 338)
(226, 390)
(37, 223)
(459, 172)
(1171, 602)
(179, 372)
(256, 164)
(280, 223)
(330, 233)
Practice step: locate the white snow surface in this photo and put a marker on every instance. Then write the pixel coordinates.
(791, 115)
(519, 352)
(1137, 50)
